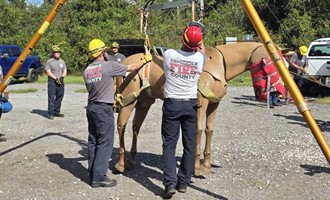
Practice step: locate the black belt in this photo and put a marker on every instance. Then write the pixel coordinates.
(172, 99)
(100, 103)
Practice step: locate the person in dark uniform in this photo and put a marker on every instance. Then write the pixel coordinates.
(98, 77)
(182, 70)
(114, 54)
(56, 70)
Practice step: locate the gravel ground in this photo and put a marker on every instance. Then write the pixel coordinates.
(257, 153)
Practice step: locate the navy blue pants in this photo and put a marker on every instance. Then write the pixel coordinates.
(273, 98)
(100, 139)
(178, 114)
(299, 81)
(55, 97)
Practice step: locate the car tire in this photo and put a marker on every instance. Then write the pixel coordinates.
(32, 76)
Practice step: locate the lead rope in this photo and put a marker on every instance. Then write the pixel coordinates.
(147, 44)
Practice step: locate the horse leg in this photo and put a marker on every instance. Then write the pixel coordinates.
(210, 117)
(123, 117)
(200, 117)
(141, 111)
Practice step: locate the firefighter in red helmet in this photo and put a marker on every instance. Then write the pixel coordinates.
(182, 69)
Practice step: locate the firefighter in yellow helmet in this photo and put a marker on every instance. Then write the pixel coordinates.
(298, 65)
(56, 70)
(114, 53)
(98, 77)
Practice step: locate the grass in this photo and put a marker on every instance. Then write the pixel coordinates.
(243, 79)
(323, 100)
(70, 79)
(26, 90)
(81, 90)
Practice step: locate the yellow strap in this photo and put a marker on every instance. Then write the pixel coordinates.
(206, 92)
(129, 98)
(125, 100)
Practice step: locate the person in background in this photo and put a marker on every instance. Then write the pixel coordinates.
(5, 105)
(2, 136)
(98, 78)
(56, 70)
(114, 54)
(182, 69)
(287, 57)
(116, 57)
(298, 65)
(273, 97)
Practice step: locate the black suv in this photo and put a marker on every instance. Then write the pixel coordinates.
(133, 46)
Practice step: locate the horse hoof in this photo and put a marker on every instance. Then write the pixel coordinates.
(197, 172)
(120, 168)
(129, 165)
(206, 170)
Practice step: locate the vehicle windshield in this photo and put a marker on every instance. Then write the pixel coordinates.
(320, 50)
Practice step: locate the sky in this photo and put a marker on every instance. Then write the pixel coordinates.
(35, 2)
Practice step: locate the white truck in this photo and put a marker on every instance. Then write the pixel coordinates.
(318, 73)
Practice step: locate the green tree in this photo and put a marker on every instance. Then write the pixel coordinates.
(291, 23)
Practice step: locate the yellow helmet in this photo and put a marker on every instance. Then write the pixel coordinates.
(96, 47)
(114, 45)
(56, 48)
(303, 50)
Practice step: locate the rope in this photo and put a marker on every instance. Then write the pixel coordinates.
(310, 79)
(148, 43)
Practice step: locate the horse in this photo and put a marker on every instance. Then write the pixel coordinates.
(140, 89)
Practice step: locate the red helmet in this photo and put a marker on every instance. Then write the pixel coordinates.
(192, 37)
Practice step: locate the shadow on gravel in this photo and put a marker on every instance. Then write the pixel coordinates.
(147, 169)
(33, 140)
(42, 113)
(246, 97)
(208, 192)
(72, 165)
(248, 100)
(249, 103)
(311, 169)
(299, 120)
(144, 171)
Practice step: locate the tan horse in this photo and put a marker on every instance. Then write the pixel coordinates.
(139, 91)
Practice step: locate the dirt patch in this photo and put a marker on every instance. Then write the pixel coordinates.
(257, 153)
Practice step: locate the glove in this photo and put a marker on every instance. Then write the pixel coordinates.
(198, 24)
(58, 80)
(305, 70)
(147, 58)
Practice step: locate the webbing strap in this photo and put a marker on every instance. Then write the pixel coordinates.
(252, 69)
(274, 84)
(207, 92)
(264, 77)
(145, 73)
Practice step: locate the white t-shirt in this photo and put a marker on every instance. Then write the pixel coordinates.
(182, 70)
